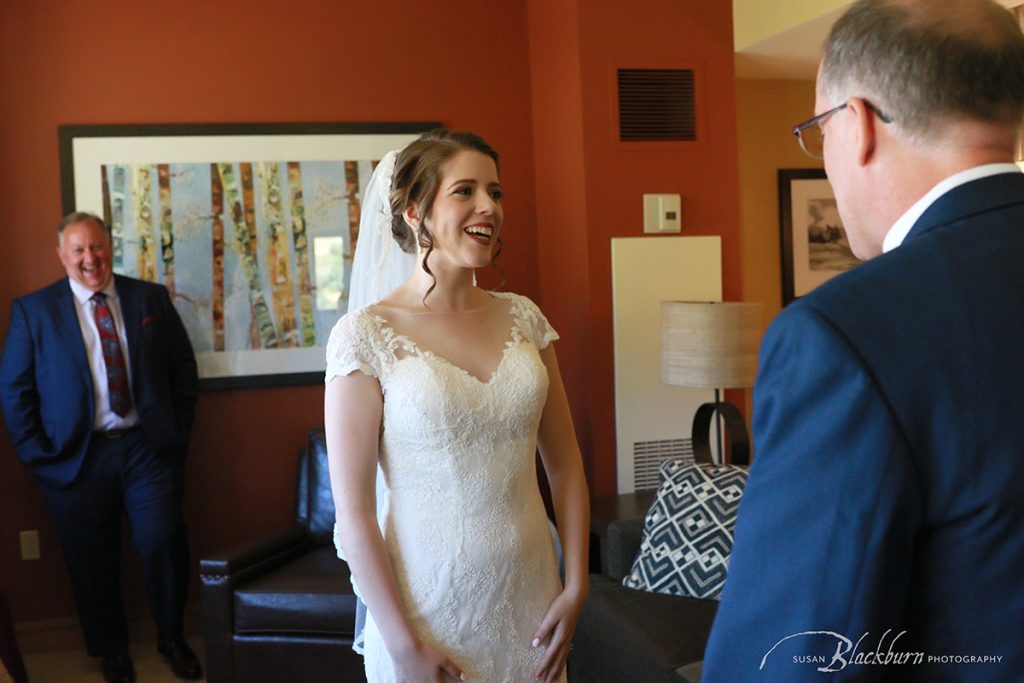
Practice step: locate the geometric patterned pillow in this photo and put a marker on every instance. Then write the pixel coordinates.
(688, 530)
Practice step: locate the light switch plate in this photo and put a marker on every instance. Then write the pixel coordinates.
(29, 544)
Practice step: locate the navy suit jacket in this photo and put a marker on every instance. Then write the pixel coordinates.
(887, 494)
(46, 387)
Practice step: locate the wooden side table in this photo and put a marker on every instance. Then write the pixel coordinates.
(607, 509)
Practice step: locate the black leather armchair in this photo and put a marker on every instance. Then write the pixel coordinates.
(281, 608)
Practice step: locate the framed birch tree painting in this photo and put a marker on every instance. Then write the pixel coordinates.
(251, 227)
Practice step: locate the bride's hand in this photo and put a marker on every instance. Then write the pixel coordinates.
(424, 664)
(556, 631)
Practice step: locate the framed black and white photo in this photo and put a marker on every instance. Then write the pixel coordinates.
(251, 227)
(814, 244)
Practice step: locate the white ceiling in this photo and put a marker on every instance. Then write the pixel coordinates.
(791, 53)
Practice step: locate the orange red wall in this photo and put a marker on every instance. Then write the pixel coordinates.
(575, 228)
(563, 217)
(532, 77)
(767, 111)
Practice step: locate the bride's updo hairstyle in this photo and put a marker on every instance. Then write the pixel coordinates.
(417, 178)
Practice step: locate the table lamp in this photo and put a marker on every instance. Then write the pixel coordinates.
(712, 345)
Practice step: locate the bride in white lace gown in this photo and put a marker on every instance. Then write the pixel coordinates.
(451, 390)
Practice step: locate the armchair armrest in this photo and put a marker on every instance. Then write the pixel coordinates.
(221, 573)
(624, 538)
(255, 557)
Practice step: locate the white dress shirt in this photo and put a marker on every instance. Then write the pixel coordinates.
(105, 418)
(899, 230)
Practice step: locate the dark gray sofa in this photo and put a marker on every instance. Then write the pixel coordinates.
(631, 636)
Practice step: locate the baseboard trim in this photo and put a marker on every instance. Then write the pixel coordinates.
(59, 633)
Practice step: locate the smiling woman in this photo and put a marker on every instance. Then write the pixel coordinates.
(438, 397)
(465, 220)
(457, 170)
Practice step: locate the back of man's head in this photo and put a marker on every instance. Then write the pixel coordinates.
(928, 62)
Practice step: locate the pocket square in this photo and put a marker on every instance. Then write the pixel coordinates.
(148, 319)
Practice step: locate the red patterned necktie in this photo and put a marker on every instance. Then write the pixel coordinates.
(117, 373)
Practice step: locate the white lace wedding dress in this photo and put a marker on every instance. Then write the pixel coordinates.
(462, 518)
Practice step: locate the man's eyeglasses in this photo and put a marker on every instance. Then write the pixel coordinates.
(811, 135)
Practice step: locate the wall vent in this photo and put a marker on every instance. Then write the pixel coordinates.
(657, 105)
(648, 456)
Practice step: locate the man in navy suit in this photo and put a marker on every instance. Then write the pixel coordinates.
(98, 384)
(881, 534)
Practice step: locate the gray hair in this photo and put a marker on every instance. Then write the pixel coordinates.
(927, 63)
(79, 217)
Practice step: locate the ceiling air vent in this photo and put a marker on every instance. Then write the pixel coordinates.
(656, 105)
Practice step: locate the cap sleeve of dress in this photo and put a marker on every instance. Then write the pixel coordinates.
(350, 347)
(537, 326)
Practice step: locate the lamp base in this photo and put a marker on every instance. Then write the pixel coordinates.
(735, 427)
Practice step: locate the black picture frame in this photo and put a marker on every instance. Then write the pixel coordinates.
(813, 242)
(86, 149)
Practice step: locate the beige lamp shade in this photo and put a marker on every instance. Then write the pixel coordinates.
(710, 345)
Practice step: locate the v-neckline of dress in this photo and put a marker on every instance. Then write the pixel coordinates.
(421, 352)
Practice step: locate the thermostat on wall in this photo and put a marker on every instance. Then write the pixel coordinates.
(661, 213)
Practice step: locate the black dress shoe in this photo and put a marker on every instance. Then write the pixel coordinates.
(182, 659)
(117, 668)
